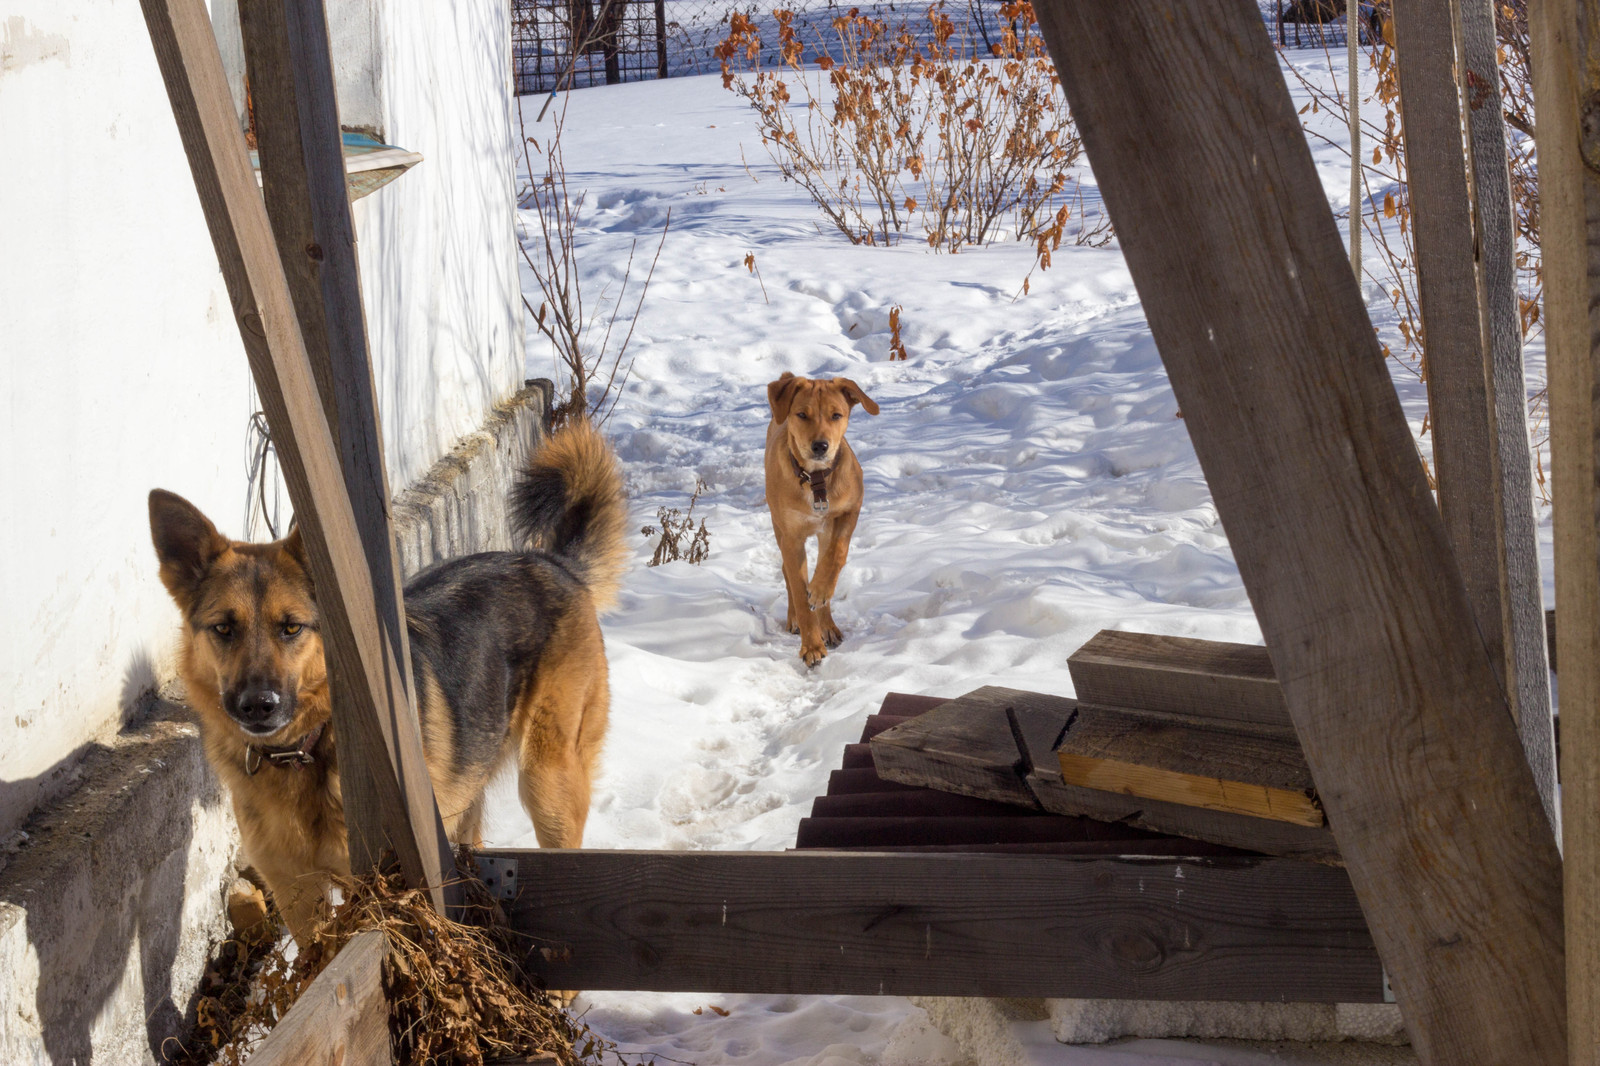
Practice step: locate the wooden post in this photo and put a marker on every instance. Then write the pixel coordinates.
(379, 744)
(302, 167)
(1566, 69)
(661, 38)
(1239, 264)
(1482, 462)
(1521, 588)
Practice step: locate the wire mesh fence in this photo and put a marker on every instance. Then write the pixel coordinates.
(558, 44)
(561, 44)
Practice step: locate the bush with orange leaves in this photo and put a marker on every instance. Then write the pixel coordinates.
(899, 135)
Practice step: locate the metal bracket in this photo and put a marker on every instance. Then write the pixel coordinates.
(1388, 990)
(499, 876)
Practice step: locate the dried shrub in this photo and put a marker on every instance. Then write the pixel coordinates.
(679, 537)
(964, 142)
(588, 352)
(1386, 210)
(456, 992)
(897, 346)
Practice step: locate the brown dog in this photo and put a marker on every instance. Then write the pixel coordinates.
(507, 660)
(813, 490)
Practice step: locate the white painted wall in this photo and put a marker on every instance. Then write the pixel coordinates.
(121, 368)
(438, 251)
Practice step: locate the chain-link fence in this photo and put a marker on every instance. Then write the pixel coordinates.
(630, 40)
(573, 43)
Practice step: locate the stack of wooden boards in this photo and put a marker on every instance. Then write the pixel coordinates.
(865, 811)
(1169, 735)
(1148, 915)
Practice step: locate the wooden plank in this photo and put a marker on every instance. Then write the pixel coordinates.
(1447, 282)
(922, 803)
(944, 924)
(966, 830)
(1182, 675)
(1566, 72)
(1187, 760)
(372, 715)
(964, 746)
(851, 782)
(1521, 586)
(879, 723)
(856, 757)
(1467, 286)
(1259, 835)
(905, 705)
(1149, 847)
(342, 1016)
(1241, 273)
(1040, 723)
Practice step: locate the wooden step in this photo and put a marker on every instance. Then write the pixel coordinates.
(1181, 675)
(1190, 761)
(881, 832)
(921, 803)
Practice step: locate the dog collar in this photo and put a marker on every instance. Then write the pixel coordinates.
(818, 480)
(295, 756)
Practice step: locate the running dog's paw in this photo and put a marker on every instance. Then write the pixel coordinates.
(818, 597)
(813, 653)
(831, 636)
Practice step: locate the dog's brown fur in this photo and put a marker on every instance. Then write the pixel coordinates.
(809, 419)
(507, 657)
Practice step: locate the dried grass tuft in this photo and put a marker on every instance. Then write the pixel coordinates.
(456, 992)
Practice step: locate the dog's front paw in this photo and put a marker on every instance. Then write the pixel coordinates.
(831, 636)
(813, 653)
(818, 597)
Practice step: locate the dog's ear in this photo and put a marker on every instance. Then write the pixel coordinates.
(186, 543)
(856, 394)
(294, 546)
(780, 394)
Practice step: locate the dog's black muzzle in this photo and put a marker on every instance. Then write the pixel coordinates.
(260, 707)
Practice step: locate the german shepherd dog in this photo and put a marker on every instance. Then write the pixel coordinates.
(507, 663)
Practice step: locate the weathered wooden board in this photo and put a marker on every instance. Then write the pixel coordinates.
(923, 803)
(1566, 72)
(1521, 586)
(341, 1017)
(849, 782)
(1224, 224)
(1041, 721)
(376, 725)
(964, 746)
(1261, 835)
(1182, 675)
(1190, 761)
(1461, 214)
(969, 831)
(944, 924)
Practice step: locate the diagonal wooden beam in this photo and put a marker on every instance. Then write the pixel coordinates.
(1225, 226)
(379, 743)
(303, 184)
(1565, 38)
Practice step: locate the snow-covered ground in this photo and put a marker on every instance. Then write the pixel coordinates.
(1028, 482)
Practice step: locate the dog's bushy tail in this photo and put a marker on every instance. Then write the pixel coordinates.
(569, 502)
